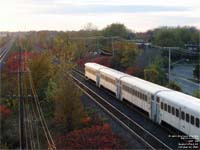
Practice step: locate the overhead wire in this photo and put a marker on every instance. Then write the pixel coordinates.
(41, 115)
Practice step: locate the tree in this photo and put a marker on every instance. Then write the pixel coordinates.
(116, 29)
(175, 36)
(96, 137)
(41, 68)
(125, 53)
(68, 107)
(135, 71)
(130, 51)
(196, 71)
(153, 73)
(103, 60)
(90, 27)
(197, 93)
(174, 86)
(64, 49)
(164, 37)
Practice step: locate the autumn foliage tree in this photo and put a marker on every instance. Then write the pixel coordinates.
(125, 53)
(5, 112)
(41, 68)
(135, 71)
(96, 137)
(68, 107)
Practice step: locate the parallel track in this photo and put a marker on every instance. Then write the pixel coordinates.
(142, 134)
(5, 49)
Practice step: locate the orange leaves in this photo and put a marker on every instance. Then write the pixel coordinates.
(5, 111)
(12, 63)
(103, 60)
(86, 120)
(96, 137)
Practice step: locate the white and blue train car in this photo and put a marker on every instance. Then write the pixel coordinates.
(181, 111)
(92, 71)
(141, 93)
(110, 79)
(177, 109)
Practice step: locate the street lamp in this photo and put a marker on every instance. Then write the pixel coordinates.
(169, 62)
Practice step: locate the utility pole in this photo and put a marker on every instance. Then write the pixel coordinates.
(21, 104)
(113, 50)
(169, 66)
(97, 43)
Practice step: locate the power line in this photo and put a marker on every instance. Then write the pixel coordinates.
(41, 115)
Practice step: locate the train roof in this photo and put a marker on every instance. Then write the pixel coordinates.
(181, 99)
(113, 73)
(94, 65)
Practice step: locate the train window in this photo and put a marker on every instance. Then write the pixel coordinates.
(165, 107)
(192, 120)
(132, 91)
(161, 105)
(140, 95)
(177, 113)
(152, 97)
(187, 117)
(182, 115)
(173, 111)
(169, 109)
(158, 99)
(197, 122)
(145, 98)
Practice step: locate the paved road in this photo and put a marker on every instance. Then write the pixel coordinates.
(180, 74)
(184, 70)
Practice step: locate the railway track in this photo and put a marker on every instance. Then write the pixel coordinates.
(137, 130)
(5, 49)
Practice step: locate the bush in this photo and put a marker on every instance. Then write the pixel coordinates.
(96, 137)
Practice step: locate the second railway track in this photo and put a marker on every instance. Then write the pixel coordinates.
(142, 134)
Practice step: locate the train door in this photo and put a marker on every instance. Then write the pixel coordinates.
(155, 109)
(119, 86)
(185, 118)
(98, 78)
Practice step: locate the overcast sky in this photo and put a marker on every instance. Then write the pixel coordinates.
(138, 15)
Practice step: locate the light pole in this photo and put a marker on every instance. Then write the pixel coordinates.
(169, 59)
(113, 50)
(169, 66)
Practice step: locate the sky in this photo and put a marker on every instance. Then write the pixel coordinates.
(137, 15)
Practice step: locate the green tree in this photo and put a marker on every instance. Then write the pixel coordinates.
(174, 86)
(41, 68)
(164, 37)
(153, 73)
(197, 93)
(175, 36)
(125, 53)
(116, 29)
(196, 71)
(129, 54)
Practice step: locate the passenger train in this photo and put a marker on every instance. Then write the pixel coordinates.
(177, 109)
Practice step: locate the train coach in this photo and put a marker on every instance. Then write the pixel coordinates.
(177, 109)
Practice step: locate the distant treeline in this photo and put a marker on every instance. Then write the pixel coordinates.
(162, 36)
